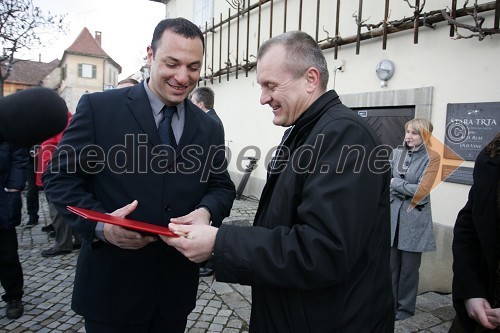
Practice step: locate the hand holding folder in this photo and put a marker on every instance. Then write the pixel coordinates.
(123, 222)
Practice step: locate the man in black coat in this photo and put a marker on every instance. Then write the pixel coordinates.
(317, 257)
(121, 149)
(476, 248)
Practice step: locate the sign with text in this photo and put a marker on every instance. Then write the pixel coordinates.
(469, 127)
(460, 175)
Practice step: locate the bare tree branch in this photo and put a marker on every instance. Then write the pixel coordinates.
(476, 29)
(21, 24)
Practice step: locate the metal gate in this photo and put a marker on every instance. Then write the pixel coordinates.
(388, 123)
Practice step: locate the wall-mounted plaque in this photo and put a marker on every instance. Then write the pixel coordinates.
(469, 127)
(460, 175)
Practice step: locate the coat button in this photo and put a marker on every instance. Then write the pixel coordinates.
(167, 208)
(402, 176)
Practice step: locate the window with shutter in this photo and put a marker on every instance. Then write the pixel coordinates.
(87, 71)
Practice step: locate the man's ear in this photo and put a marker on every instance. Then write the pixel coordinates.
(312, 79)
(149, 55)
(199, 104)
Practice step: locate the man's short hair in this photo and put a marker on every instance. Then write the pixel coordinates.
(128, 80)
(302, 52)
(178, 25)
(205, 95)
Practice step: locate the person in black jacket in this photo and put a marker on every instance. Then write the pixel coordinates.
(13, 162)
(204, 97)
(476, 248)
(317, 257)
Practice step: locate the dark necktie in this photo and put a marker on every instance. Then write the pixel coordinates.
(165, 127)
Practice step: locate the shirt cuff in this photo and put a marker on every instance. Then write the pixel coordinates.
(99, 231)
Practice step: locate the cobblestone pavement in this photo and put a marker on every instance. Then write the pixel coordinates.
(220, 307)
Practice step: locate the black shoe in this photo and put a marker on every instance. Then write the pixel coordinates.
(76, 246)
(52, 252)
(52, 234)
(204, 272)
(31, 224)
(48, 228)
(14, 309)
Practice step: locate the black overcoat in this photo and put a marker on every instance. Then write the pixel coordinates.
(317, 257)
(475, 242)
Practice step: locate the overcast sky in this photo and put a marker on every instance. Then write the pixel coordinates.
(126, 25)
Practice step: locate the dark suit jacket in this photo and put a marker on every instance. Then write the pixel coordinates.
(475, 239)
(212, 113)
(109, 156)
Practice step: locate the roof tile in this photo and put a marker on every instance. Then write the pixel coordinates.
(31, 72)
(86, 44)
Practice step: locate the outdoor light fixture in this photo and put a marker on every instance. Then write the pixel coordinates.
(385, 70)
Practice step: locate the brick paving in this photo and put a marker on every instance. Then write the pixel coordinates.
(220, 308)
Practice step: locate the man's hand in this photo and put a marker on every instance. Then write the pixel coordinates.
(125, 238)
(493, 316)
(197, 216)
(476, 309)
(196, 242)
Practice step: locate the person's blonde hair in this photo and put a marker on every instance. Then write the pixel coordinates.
(423, 127)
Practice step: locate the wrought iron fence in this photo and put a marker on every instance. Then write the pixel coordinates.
(242, 29)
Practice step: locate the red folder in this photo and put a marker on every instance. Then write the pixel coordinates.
(123, 222)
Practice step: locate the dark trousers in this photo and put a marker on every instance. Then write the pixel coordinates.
(458, 326)
(156, 325)
(208, 264)
(32, 204)
(64, 233)
(11, 272)
(405, 273)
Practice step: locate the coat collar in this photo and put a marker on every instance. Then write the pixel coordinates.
(297, 136)
(191, 124)
(309, 118)
(138, 103)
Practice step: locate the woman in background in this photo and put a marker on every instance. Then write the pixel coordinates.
(414, 169)
(476, 248)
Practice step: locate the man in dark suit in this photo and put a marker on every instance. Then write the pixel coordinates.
(121, 155)
(204, 97)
